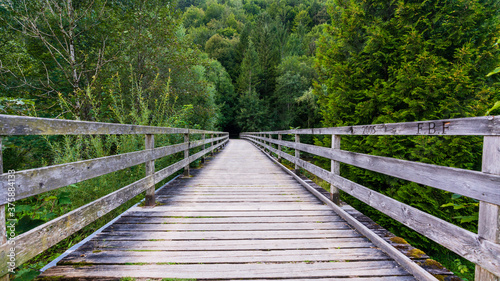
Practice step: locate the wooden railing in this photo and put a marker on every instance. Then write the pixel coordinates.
(27, 183)
(482, 248)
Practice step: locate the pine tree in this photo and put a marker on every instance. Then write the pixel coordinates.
(250, 70)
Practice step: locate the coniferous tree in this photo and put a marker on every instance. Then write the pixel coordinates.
(385, 62)
(250, 70)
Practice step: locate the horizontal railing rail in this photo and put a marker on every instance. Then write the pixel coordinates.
(473, 126)
(19, 249)
(482, 248)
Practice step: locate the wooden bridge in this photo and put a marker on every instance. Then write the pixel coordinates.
(244, 216)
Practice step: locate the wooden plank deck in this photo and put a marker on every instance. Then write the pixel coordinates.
(240, 217)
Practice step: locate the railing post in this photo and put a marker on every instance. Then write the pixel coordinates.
(335, 169)
(186, 155)
(150, 170)
(489, 214)
(270, 144)
(297, 153)
(279, 148)
(204, 147)
(3, 227)
(212, 144)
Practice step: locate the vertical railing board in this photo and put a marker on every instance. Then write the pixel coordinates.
(335, 168)
(150, 170)
(297, 153)
(212, 144)
(186, 155)
(279, 147)
(204, 146)
(489, 214)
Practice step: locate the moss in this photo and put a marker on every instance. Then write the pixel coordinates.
(433, 264)
(439, 277)
(96, 251)
(416, 253)
(81, 264)
(398, 240)
(136, 263)
(51, 278)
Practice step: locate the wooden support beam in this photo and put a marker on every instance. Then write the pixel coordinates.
(279, 147)
(186, 155)
(297, 153)
(335, 169)
(204, 146)
(212, 144)
(489, 214)
(269, 143)
(150, 170)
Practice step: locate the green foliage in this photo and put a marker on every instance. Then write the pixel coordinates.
(385, 62)
(251, 39)
(193, 17)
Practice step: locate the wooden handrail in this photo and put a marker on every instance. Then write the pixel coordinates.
(35, 181)
(483, 248)
(472, 126)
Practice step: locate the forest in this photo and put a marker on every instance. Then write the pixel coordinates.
(251, 65)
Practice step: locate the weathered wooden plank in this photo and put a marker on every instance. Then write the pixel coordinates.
(222, 196)
(246, 207)
(465, 243)
(227, 235)
(229, 220)
(143, 212)
(317, 255)
(353, 278)
(213, 245)
(35, 181)
(480, 126)
(239, 198)
(473, 184)
(228, 227)
(249, 193)
(24, 125)
(489, 214)
(225, 271)
(173, 201)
